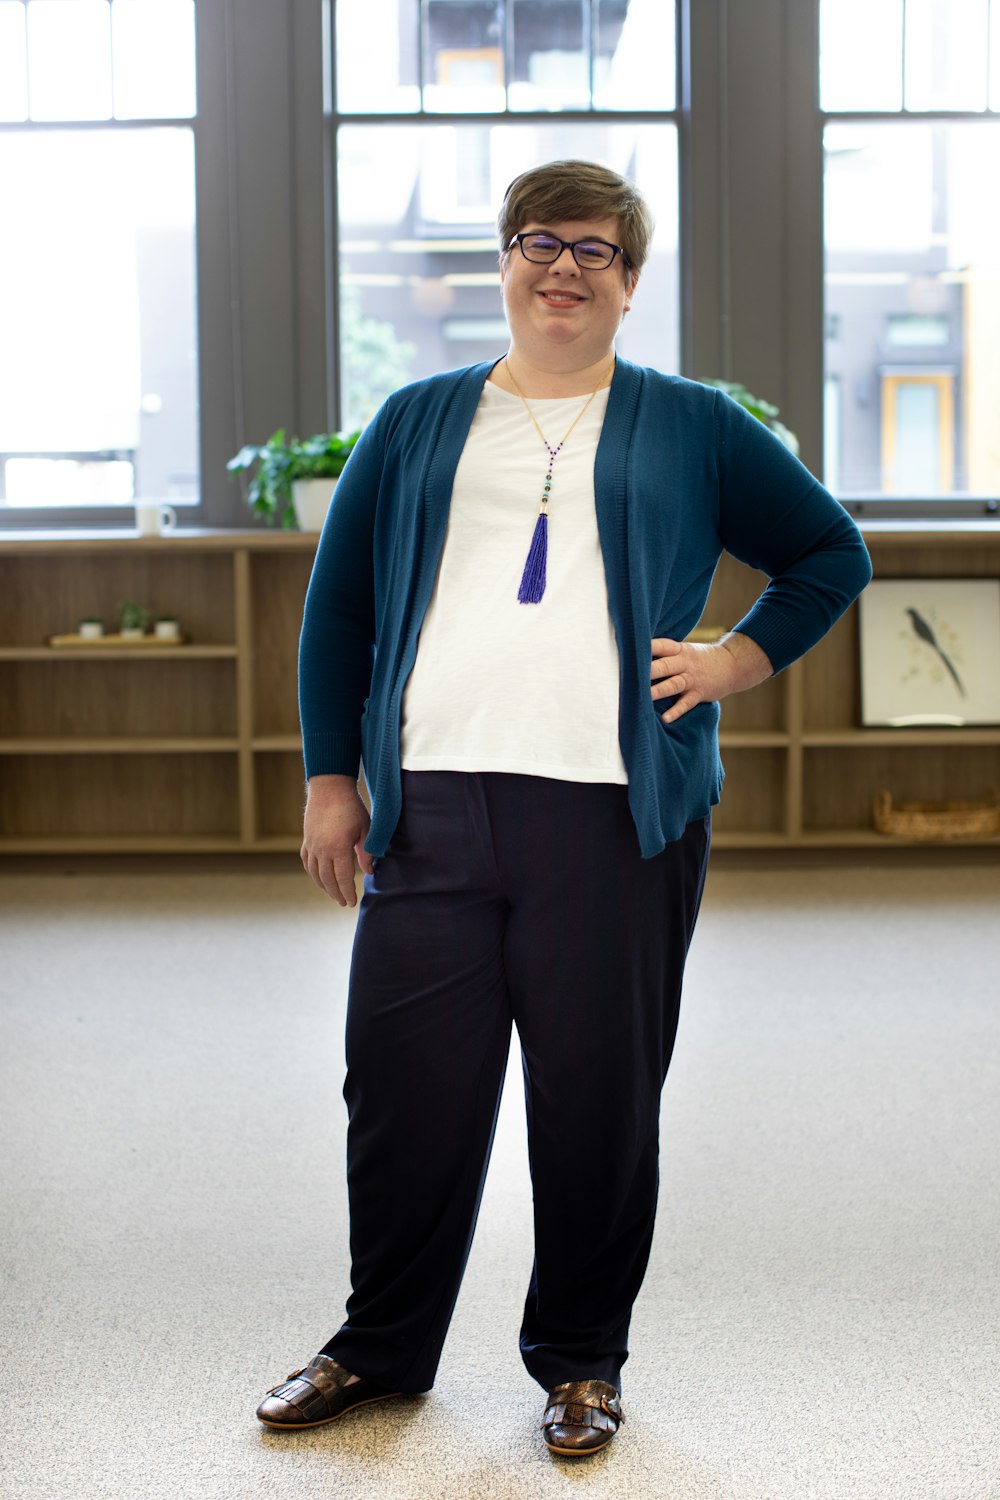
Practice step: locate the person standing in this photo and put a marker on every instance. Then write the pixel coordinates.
(496, 627)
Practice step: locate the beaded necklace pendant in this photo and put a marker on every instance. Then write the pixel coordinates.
(533, 579)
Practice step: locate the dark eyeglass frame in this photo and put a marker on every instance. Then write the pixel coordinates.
(571, 246)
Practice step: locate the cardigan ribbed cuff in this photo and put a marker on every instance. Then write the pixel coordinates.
(332, 754)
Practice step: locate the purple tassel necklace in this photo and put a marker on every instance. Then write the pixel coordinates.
(533, 578)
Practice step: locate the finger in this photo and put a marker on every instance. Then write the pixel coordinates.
(366, 861)
(664, 646)
(679, 709)
(323, 873)
(679, 683)
(343, 870)
(665, 662)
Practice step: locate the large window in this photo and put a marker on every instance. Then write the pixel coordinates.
(912, 232)
(98, 367)
(438, 106)
(181, 275)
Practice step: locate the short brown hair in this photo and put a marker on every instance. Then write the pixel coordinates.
(577, 190)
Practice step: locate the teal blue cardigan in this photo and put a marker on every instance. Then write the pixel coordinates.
(681, 474)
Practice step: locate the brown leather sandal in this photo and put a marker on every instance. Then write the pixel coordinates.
(581, 1417)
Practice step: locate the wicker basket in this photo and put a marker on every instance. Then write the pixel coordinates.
(938, 820)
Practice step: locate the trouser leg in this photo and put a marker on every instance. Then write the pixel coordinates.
(428, 1034)
(594, 954)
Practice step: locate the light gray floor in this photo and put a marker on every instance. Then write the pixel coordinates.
(820, 1319)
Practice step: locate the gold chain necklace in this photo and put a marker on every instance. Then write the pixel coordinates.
(533, 578)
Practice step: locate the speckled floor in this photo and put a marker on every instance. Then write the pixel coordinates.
(821, 1319)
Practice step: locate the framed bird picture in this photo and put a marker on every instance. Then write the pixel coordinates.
(930, 652)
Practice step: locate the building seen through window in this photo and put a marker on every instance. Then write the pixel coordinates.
(912, 232)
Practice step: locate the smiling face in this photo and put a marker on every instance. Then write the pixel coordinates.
(559, 315)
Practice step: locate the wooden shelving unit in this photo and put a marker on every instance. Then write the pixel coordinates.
(196, 748)
(807, 778)
(189, 748)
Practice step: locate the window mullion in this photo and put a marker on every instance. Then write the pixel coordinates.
(27, 62)
(507, 24)
(111, 50)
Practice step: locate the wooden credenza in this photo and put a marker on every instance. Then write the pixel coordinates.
(195, 747)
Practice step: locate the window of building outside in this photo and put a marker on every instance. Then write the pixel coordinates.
(438, 105)
(98, 362)
(910, 95)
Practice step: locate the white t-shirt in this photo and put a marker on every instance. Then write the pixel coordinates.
(503, 686)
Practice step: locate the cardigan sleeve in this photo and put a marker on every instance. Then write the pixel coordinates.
(336, 644)
(776, 517)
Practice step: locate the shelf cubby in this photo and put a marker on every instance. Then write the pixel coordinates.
(84, 799)
(753, 798)
(63, 697)
(840, 782)
(279, 784)
(45, 593)
(278, 583)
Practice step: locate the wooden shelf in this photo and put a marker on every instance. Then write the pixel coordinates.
(118, 746)
(197, 750)
(861, 839)
(138, 844)
(289, 742)
(723, 840)
(283, 844)
(899, 739)
(118, 653)
(753, 739)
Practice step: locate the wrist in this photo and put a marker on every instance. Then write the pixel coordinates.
(749, 664)
(331, 788)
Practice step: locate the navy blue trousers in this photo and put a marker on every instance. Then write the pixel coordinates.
(505, 900)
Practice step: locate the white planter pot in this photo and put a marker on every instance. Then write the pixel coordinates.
(167, 630)
(90, 630)
(311, 498)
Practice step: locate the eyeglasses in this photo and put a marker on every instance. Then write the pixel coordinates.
(590, 255)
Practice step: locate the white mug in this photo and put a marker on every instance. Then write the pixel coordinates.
(153, 518)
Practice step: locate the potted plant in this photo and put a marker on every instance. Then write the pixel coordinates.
(132, 620)
(764, 411)
(167, 628)
(90, 628)
(285, 467)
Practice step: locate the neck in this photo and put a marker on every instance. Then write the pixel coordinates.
(535, 380)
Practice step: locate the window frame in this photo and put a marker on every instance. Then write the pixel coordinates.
(86, 518)
(887, 504)
(335, 120)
